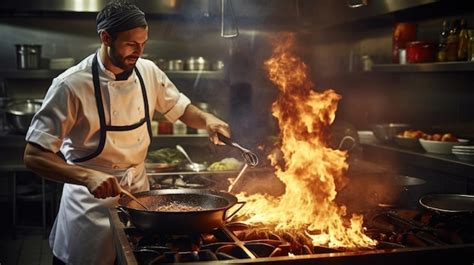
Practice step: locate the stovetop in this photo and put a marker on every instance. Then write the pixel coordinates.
(404, 236)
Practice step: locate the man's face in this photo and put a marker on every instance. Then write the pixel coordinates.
(129, 45)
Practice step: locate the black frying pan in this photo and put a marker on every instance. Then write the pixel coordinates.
(448, 203)
(214, 203)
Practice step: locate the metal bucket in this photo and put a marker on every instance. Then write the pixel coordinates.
(28, 56)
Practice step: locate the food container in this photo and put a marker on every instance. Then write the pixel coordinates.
(197, 64)
(440, 147)
(20, 112)
(28, 56)
(175, 65)
(420, 52)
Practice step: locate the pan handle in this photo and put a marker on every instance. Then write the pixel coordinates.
(238, 209)
(123, 210)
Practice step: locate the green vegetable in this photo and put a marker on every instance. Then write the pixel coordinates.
(165, 155)
(226, 164)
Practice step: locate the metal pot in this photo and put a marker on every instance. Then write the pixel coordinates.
(175, 65)
(197, 64)
(20, 112)
(448, 203)
(28, 56)
(215, 203)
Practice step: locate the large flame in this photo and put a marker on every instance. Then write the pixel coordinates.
(312, 169)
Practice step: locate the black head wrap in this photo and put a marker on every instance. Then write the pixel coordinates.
(120, 16)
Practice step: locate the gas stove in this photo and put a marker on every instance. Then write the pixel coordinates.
(404, 236)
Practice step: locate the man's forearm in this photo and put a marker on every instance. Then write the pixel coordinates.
(195, 117)
(49, 165)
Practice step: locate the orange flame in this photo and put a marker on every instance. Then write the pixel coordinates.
(312, 169)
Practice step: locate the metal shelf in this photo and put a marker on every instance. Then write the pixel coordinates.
(424, 67)
(50, 74)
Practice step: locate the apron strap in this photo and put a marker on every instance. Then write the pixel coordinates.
(145, 102)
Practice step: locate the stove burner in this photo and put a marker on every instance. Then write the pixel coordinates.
(397, 232)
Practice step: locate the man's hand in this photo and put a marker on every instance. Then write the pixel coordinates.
(214, 125)
(103, 186)
(199, 119)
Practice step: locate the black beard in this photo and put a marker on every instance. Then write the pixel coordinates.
(118, 60)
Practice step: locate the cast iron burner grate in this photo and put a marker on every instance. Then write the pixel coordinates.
(404, 237)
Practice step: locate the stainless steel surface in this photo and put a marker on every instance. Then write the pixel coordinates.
(229, 28)
(425, 67)
(193, 166)
(28, 56)
(448, 203)
(20, 112)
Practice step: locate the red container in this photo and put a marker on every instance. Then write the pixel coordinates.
(420, 52)
(403, 32)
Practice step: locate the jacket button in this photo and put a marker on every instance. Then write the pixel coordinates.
(115, 113)
(138, 140)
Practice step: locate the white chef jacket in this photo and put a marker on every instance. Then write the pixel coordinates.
(68, 122)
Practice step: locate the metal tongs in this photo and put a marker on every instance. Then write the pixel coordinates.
(250, 158)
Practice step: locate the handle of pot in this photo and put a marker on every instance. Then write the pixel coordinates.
(123, 210)
(238, 209)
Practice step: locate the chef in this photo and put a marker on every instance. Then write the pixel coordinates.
(97, 115)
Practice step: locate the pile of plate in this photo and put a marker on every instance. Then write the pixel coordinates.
(464, 152)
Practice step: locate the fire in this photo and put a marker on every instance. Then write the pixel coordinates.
(312, 169)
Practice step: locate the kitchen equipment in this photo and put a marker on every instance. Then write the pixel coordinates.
(28, 56)
(465, 153)
(403, 32)
(175, 65)
(420, 52)
(250, 158)
(192, 165)
(197, 64)
(215, 204)
(440, 147)
(217, 65)
(448, 203)
(386, 132)
(20, 112)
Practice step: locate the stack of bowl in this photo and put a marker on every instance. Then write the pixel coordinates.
(464, 152)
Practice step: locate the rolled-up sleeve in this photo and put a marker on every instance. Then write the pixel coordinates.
(54, 119)
(170, 101)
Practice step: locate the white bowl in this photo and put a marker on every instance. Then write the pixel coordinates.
(467, 148)
(439, 147)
